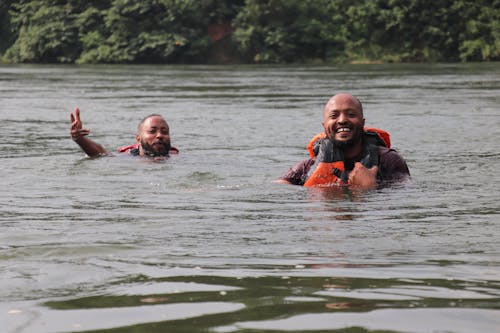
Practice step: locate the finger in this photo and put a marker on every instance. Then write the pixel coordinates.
(353, 173)
(358, 166)
(74, 124)
(75, 116)
(373, 170)
(84, 132)
(79, 132)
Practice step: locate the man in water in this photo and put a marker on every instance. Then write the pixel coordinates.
(346, 154)
(153, 138)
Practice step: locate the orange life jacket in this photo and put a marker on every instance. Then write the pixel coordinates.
(329, 168)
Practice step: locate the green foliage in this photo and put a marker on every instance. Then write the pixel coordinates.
(45, 32)
(263, 31)
(431, 24)
(290, 30)
(428, 30)
(373, 30)
(6, 34)
(480, 39)
(150, 31)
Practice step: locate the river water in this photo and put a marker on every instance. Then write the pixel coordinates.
(205, 242)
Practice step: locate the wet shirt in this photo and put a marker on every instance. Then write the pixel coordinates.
(391, 167)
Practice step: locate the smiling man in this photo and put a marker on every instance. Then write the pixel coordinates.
(347, 153)
(152, 138)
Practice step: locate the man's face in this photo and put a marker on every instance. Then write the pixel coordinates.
(343, 120)
(154, 137)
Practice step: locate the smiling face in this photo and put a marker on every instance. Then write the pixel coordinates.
(154, 136)
(343, 120)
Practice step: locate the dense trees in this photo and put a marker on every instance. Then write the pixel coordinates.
(200, 31)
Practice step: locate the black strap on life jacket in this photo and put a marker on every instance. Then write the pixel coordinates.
(327, 152)
(374, 139)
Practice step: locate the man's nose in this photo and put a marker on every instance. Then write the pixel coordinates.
(161, 135)
(342, 118)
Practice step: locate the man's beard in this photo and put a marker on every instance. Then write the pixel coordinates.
(148, 149)
(349, 143)
(345, 144)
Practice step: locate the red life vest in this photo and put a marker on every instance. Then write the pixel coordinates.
(329, 168)
(127, 149)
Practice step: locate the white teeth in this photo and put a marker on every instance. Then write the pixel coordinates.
(344, 129)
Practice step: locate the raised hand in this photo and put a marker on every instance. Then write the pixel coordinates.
(79, 135)
(77, 131)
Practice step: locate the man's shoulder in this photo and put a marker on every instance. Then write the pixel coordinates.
(128, 148)
(388, 152)
(392, 164)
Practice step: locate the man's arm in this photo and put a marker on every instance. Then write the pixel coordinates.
(79, 135)
(296, 174)
(392, 166)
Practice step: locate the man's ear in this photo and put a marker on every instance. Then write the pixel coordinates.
(138, 138)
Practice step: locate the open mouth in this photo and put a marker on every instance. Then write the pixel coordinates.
(159, 144)
(343, 130)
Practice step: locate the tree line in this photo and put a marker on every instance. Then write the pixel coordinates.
(248, 31)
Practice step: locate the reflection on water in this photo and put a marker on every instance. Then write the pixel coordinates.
(206, 242)
(394, 320)
(287, 302)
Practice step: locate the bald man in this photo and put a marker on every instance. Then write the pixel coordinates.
(346, 153)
